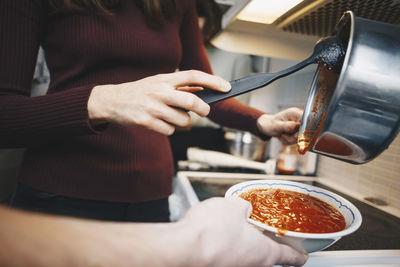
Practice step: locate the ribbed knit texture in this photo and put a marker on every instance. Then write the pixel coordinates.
(65, 155)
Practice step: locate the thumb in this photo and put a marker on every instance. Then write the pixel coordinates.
(243, 205)
(289, 127)
(290, 256)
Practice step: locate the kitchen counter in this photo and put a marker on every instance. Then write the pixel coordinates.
(375, 243)
(379, 229)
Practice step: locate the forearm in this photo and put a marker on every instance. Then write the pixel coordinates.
(234, 114)
(213, 233)
(30, 239)
(31, 120)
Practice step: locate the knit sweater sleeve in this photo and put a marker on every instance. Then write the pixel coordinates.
(231, 112)
(26, 120)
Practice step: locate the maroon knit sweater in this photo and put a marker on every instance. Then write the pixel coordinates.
(65, 155)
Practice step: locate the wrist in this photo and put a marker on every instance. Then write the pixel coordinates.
(143, 244)
(201, 245)
(97, 104)
(186, 242)
(263, 126)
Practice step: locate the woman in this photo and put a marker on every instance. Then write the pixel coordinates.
(97, 144)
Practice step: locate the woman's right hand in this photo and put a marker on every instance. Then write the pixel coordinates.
(154, 102)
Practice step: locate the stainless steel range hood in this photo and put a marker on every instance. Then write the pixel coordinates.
(293, 35)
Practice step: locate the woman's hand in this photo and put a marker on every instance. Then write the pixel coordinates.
(154, 102)
(283, 125)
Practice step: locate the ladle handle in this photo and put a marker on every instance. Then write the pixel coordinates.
(249, 83)
(239, 86)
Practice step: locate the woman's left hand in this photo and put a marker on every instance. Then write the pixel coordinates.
(283, 125)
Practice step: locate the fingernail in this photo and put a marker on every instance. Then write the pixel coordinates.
(226, 86)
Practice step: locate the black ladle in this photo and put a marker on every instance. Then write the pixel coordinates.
(328, 51)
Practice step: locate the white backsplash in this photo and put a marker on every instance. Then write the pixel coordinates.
(379, 178)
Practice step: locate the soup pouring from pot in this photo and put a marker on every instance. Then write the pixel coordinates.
(354, 114)
(351, 113)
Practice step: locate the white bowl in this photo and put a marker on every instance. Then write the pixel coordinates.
(305, 242)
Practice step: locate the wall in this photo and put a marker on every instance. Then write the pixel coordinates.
(378, 178)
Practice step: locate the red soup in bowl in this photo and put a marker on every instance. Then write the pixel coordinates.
(305, 217)
(289, 210)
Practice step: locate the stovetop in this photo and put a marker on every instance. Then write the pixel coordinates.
(379, 230)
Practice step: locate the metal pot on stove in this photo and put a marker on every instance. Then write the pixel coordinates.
(245, 145)
(354, 115)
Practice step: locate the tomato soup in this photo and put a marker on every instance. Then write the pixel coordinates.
(293, 211)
